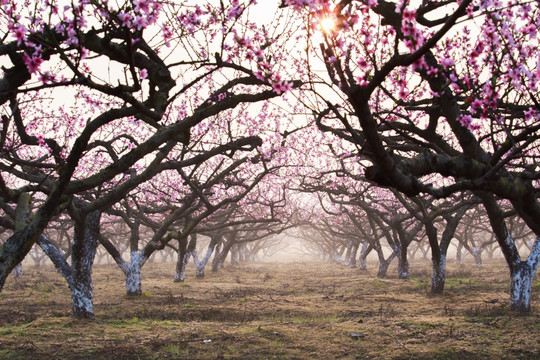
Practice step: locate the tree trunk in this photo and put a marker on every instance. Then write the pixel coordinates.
(354, 252)
(17, 271)
(234, 255)
(383, 269)
(477, 253)
(384, 264)
(347, 260)
(403, 263)
(438, 275)
(82, 258)
(15, 248)
(521, 278)
(459, 253)
(133, 275)
(82, 299)
(217, 254)
(362, 260)
(182, 249)
(200, 265)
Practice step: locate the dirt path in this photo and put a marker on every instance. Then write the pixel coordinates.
(271, 311)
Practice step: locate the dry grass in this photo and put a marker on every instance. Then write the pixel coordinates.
(271, 311)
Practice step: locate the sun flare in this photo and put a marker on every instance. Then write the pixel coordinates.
(328, 24)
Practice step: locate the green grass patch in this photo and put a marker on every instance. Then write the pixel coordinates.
(452, 283)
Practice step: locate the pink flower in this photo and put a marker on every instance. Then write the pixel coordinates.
(362, 63)
(47, 77)
(140, 22)
(372, 3)
(409, 15)
(143, 73)
(447, 62)
(281, 87)
(125, 18)
(467, 122)
(167, 35)
(19, 33)
(530, 114)
(332, 59)
(475, 106)
(141, 6)
(361, 81)
(259, 75)
(32, 63)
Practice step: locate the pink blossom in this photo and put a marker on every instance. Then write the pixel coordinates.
(476, 105)
(332, 59)
(259, 75)
(447, 62)
(362, 63)
(47, 77)
(140, 22)
(530, 114)
(32, 63)
(143, 73)
(361, 81)
(466, 121)
(372, 3)
(20, 33)
(141, 6)
(125, 18)
(281, 87)
(167, 34)
(409, 15)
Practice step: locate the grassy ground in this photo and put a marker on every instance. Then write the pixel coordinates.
(272, 311)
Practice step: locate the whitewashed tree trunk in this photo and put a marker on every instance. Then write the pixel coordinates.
(362, 259)
(403, 264)
(347, 260)
(200, 265)
(82, 299)
(17, 271)
(82, 259)
(477, 253)
(184, 254)
(438, 275)
(354, 252)
(235, 256)
(79, 274)
(459, 254)
(133, 274)
(383, 263)
(180, 272)
(521, 277)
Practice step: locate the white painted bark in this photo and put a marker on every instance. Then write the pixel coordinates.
(17, 271)
(459, 254)
(235, 256)
(347, 260)
(133, 275)
(521, 277)
(477, 253)
(438, 275)
(362, 263)
(82, 299)
(200, 265)
(337, 257)
(403, 268)
(180, 274)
